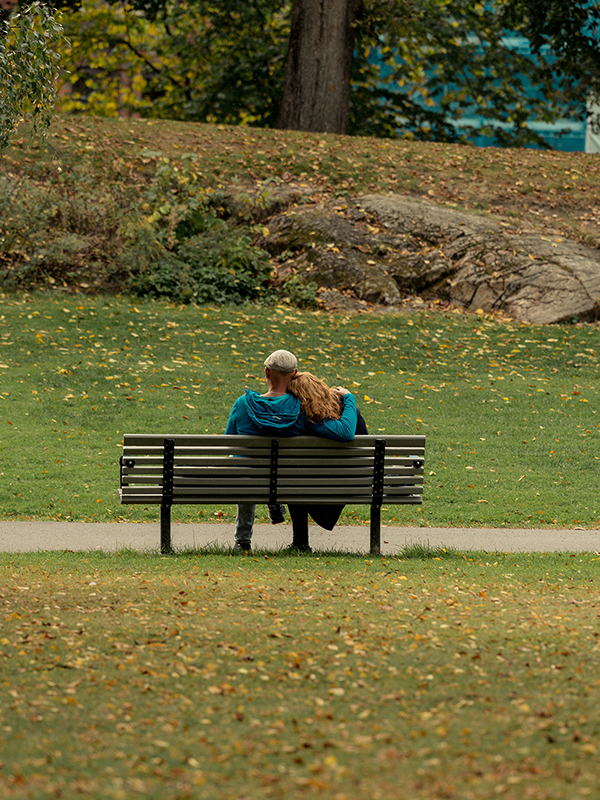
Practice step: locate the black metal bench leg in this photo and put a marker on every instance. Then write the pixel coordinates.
(375, 548)
(165, 529)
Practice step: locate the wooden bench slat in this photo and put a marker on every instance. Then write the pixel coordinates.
(223, 483)
(190, 452)
(302, 456)
(233, 479)
(329, 461)
(306, 485)
(243, 469)
(334, 482)
(317, 456)
(325, 499)
(362, 500)
(194, 440)
(290, 478)
(333, 492)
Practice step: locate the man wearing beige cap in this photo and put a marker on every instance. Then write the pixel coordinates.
(274, 413)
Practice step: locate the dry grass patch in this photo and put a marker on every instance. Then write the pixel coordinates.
(456, 676)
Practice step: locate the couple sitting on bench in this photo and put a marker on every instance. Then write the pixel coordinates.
(296, 404)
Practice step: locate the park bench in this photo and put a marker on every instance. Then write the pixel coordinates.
(201, 469)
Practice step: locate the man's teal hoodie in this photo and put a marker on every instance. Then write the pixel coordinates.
(255, 415)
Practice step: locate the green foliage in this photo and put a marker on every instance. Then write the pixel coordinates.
(29, 67)
(77, 230)
(446, 61)
(219, 265)
(106, 51)
(202, 61)
(565, 37)
(184, 251)
(301, 293)
(63, 232)
(569, 31)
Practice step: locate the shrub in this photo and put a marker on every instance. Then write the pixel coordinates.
(62, 233)
(164, 240)
(301, 293)
(217, 265)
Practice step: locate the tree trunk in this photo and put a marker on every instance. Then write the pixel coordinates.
(316, 96)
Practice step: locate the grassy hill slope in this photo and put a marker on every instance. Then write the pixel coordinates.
(73, 206)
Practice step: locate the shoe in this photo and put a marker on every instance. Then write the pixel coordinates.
(276, 514)
(242, 547)
(297, 548)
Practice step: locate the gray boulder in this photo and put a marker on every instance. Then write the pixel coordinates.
(382, 249)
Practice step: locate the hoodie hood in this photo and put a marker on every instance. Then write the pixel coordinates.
(272, 415)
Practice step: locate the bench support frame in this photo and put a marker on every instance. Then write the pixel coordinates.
(167, 498)
(378, 475)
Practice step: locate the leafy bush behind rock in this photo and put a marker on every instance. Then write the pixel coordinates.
(163, 240)
(218, 265)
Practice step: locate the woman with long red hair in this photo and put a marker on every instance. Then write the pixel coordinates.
(318, 403)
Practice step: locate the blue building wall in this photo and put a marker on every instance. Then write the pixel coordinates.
(577, 138)
(574, 140)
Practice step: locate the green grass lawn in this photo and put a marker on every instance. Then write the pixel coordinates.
(458, 677)
(509, 410)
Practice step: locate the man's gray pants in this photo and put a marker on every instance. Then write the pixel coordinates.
(244, 522)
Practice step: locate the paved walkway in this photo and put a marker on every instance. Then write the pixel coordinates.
(33, 536)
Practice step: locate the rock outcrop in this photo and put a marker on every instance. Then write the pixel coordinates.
(381, 249)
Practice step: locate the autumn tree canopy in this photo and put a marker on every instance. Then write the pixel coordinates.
(370, 67)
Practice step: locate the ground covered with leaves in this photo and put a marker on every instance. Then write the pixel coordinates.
(546, 188)
(454, 676)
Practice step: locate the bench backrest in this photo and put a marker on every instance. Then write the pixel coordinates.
(222, 469)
